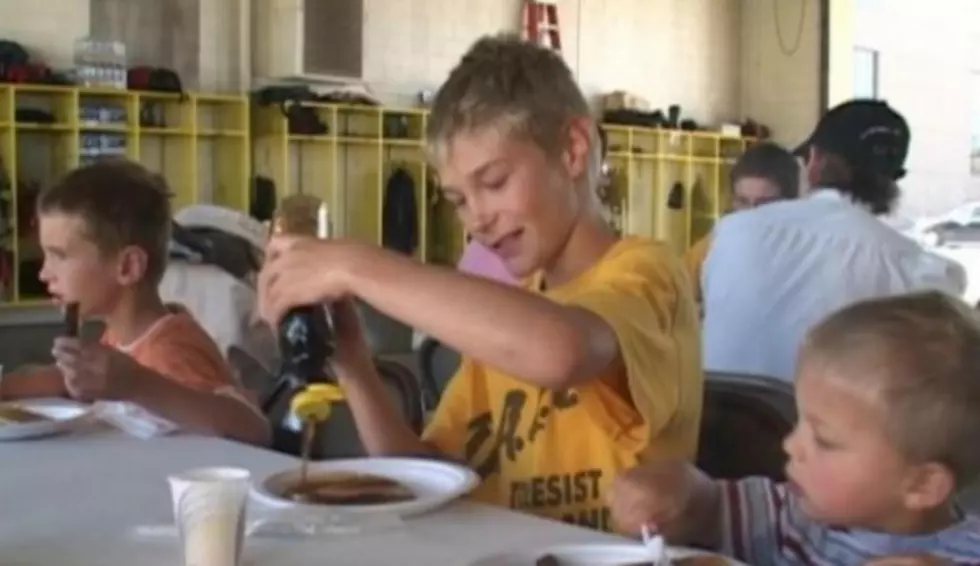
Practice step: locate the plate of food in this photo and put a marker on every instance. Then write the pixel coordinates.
(391, 486)
(603, 555)
(36, 418)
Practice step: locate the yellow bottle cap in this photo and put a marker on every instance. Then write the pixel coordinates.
(315, 402)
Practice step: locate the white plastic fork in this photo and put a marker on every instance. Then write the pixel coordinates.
(656, 545)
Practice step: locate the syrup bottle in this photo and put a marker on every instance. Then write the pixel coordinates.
(306, 334)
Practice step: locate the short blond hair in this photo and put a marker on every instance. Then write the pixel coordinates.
(505, 82)
(920, 353)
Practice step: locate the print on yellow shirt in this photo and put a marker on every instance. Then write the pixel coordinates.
(508, 448)
(555, 453)
(484, 452)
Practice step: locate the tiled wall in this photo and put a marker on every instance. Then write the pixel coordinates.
(926, 58)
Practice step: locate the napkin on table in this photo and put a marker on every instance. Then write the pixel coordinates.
(133, 419)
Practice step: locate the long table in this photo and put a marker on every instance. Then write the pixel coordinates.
(81, 499)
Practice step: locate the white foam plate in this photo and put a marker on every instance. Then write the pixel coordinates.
(435, 483)
(64, 415)
(587, 555)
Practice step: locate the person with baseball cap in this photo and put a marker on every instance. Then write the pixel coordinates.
(775, 271)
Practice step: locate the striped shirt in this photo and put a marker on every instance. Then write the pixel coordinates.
(763, 525)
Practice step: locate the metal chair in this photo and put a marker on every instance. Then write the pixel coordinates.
(437, 365)
(744, 421)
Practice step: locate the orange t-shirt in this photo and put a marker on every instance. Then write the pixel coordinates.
(177, 347)
(694, 262)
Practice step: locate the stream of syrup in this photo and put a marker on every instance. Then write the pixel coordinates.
(309, 433)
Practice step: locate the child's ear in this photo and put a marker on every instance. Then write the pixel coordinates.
(132, 264)
(580, 137)
(929, 486)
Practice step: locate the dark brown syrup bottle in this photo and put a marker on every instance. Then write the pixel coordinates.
(306, 334)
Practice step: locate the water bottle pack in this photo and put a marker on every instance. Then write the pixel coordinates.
(100, 64)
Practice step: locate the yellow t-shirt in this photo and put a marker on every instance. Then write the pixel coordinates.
(694, 262)
(554, 453)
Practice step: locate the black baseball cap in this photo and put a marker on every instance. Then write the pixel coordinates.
(866, 133)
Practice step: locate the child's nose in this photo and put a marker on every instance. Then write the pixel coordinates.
(791, 444)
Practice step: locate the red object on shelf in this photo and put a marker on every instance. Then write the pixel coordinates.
(541, 24)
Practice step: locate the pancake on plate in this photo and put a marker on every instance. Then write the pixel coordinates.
(344, 488)
(14, 414)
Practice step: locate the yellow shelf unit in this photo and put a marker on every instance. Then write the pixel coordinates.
(670, 185)
(198, 142)
(349, 167)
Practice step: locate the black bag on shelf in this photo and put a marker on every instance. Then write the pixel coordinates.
(155, 79)
(400, 224)
(16, 66)
(300, 119)
(263, 198)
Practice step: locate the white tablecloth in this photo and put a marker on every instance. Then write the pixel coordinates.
(76, 500)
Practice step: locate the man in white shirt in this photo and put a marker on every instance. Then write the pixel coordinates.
(775, 271)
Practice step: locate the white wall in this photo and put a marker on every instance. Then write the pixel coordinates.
(669, 51)
(47, 28)
(720, 59)
(780, 66)
(926, 56)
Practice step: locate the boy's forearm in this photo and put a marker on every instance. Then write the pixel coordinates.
(518, 332)
(382, 429)
(198, 411)
(33, 382)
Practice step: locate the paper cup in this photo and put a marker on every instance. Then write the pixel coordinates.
(209, 509)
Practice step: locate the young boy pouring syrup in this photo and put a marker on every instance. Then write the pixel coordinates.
(590, 367)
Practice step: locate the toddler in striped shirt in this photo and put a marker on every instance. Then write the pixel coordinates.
(888, 392)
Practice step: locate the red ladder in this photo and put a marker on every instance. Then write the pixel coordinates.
(541, 24)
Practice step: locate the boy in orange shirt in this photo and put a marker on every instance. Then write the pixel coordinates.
(590, 367)
(104, 231)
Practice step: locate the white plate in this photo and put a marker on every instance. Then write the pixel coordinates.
(64, 415)
(587, 555)
(435, 483)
